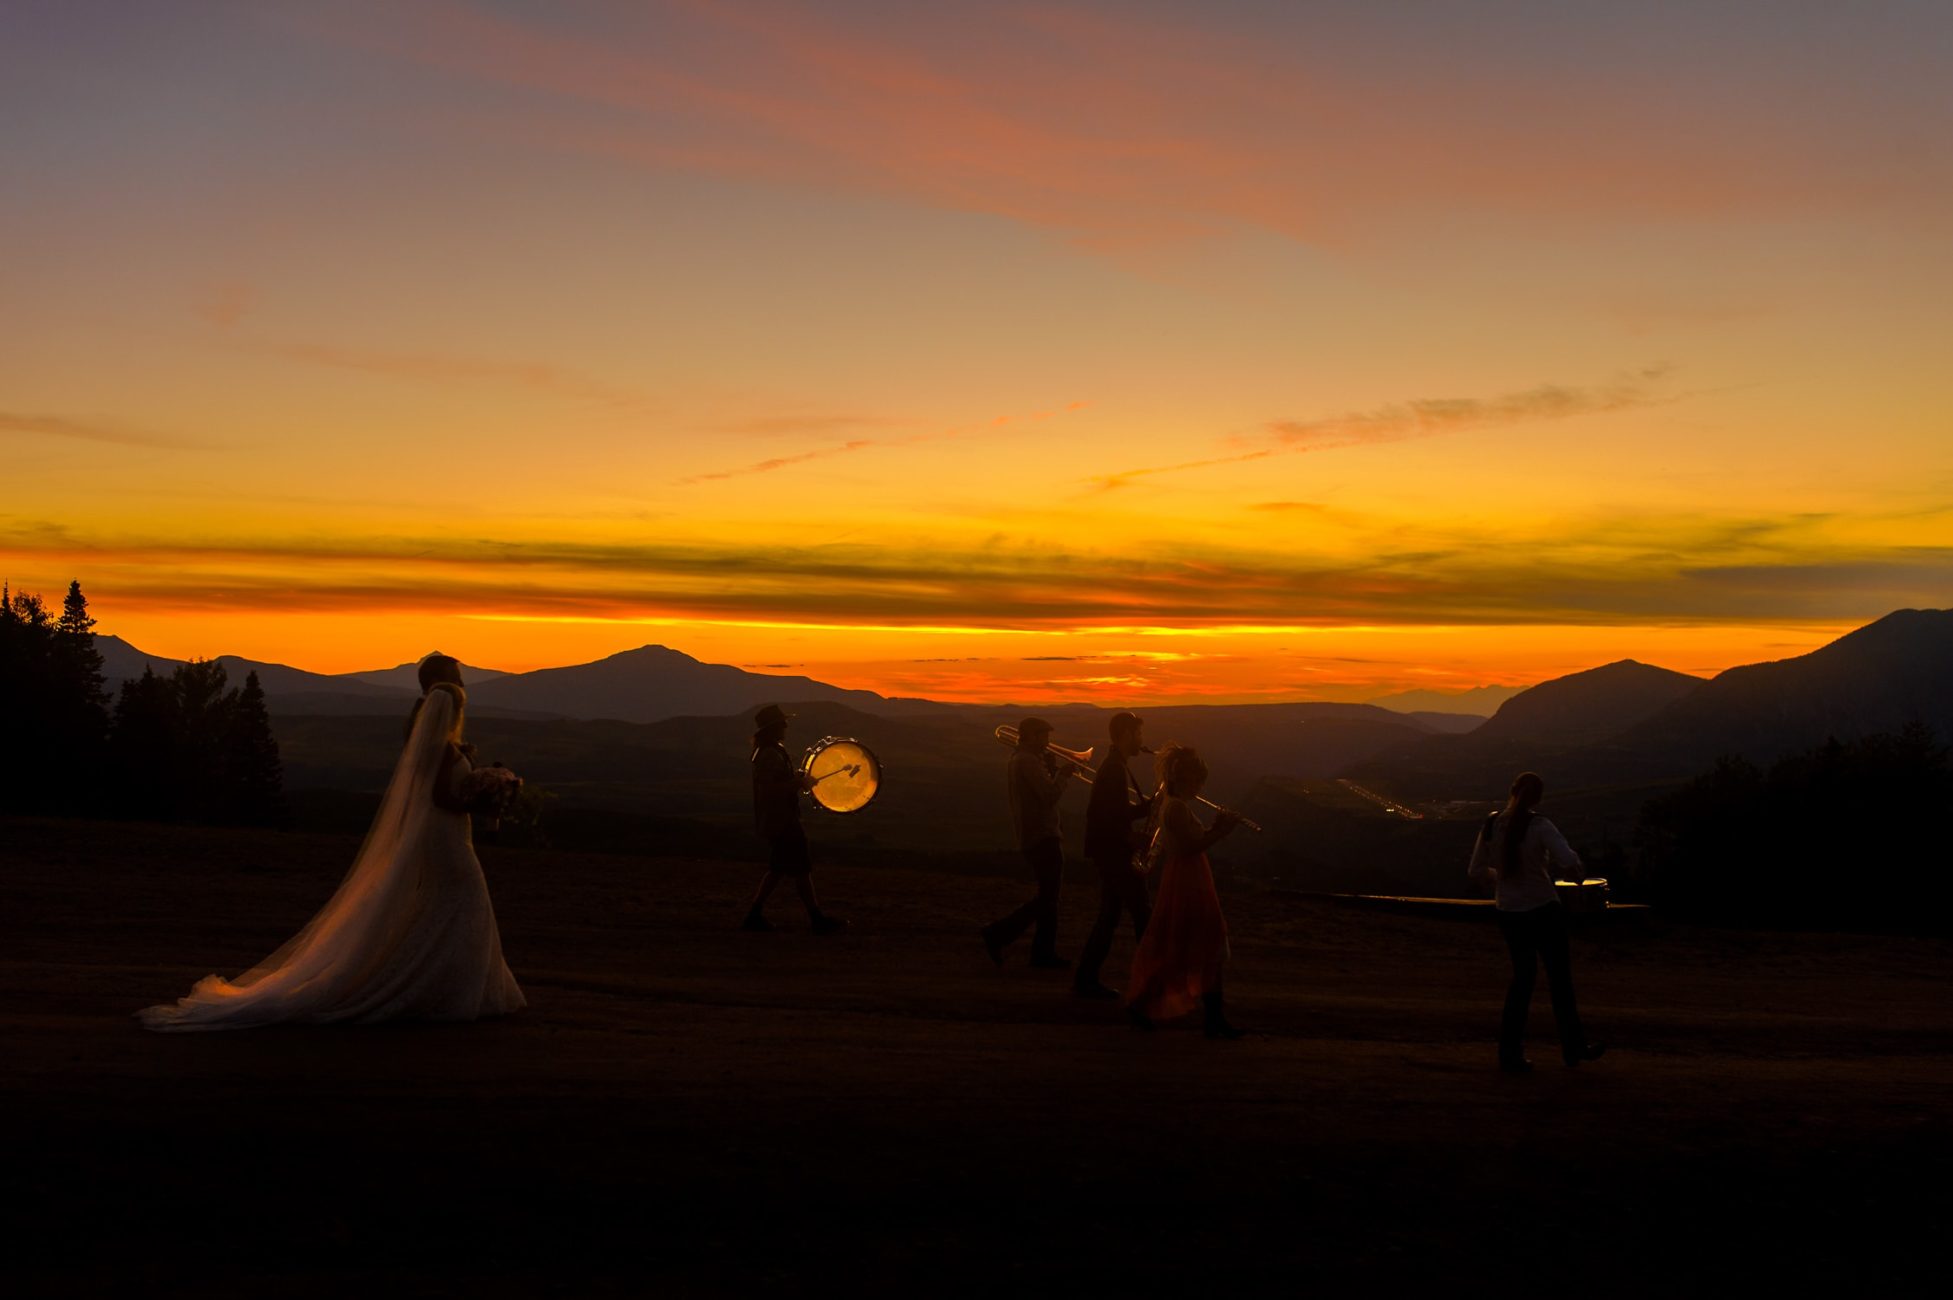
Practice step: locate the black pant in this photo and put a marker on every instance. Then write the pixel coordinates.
(1531, 938)
(1047, 859)
(1121, 889)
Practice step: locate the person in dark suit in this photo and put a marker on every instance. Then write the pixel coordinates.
(777, 787)
(1110, 842)
(1035, 781)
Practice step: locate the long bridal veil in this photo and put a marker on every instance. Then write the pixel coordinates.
(365, 953)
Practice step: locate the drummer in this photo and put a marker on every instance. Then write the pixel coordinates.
(777, 787)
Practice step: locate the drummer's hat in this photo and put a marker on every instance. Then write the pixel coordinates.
(771, 716)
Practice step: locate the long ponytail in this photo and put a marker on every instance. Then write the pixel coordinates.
(1527, 789)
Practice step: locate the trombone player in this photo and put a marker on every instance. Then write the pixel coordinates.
(1110, 843)
(1035, 780)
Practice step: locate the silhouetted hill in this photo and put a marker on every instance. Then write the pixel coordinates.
(1588, 706)
(1448, 724)
(653, 682)
(122, 661)
(1879, 678)
(1563, 726)
(1480, 701)
(406, 677)
(644, 685)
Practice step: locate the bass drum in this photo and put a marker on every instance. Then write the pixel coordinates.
(846, 774)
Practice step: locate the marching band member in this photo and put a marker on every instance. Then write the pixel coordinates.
(1035, 781)
(777, 787)
(1110, 843)
(1179, 962)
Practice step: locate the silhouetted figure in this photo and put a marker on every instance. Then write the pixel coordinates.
(1518, 851)
(1181, 955)
(1035, 781)
(1111, 842)
(410, 932)
(777, 787)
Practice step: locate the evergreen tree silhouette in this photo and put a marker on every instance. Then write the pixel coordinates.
(253, 773)
(27, 704)
(146, 775)
(1828, 837)
(203, 723)
(75, 743)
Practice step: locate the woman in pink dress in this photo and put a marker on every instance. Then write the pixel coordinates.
(1178, 965)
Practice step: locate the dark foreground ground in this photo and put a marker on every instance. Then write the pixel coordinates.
(684, 1109)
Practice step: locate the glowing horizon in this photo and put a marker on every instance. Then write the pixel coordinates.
(1316, 354)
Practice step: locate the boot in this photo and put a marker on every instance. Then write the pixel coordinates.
(1217, 1024)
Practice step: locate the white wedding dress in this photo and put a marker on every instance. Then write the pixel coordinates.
(410, 933)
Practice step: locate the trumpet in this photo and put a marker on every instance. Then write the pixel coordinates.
(1081, 767)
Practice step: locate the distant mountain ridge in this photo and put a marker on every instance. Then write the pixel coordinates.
(406, 677)
(1621, 721)
(1480, 700)
(122, 661)
(1885, 675)
(654, 682)
(1632, 722)
(1591, 705)
(648, 684)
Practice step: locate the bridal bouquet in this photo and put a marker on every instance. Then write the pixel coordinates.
(491, 791)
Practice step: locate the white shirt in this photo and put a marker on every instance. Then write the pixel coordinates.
(1530, 883)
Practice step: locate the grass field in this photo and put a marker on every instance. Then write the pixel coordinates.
(685, 1109)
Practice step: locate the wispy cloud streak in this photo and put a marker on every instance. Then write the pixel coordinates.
(1602, 571)
(854, 445)
(772, 463)
(61, 426)
(1422, 418)
(438, 369)
(1433, 417)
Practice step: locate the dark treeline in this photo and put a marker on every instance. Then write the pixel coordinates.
(186, 747)
(1847, 835)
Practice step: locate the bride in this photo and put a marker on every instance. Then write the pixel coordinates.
(410, 932)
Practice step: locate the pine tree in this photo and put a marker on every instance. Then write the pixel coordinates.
(147, 776)
(203, 709)
(78, 713)
(74, 613)
(252, 770)
(28, 704)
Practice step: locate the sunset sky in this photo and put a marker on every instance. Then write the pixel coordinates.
(1247, 350)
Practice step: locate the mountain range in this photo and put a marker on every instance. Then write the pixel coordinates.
(1622, 722)
(1629, 722)
(648, 684)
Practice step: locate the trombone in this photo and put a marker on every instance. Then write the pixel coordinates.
(1081, 767)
